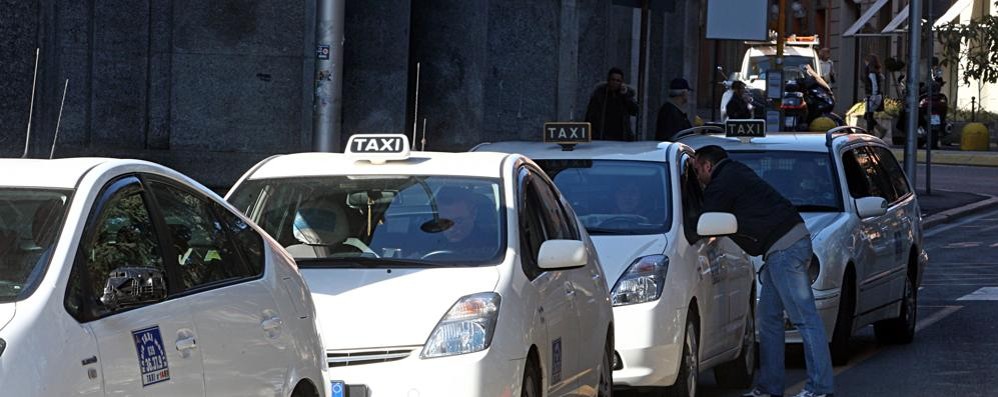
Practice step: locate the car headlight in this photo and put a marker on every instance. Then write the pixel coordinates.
(814, 269)
(642, 282)
(466, 328)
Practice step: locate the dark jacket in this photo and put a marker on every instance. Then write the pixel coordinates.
(610, 112)
(737, 108)
(763, 214)
(670, 121)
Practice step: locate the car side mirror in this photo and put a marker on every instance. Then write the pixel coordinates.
(717, 224)
(871, 206)
(132, 286)
(562, 254)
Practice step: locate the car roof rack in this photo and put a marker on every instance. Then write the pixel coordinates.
(698, 130)
(845, 129)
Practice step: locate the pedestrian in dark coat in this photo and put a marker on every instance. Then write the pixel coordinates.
(672, 116)
(610, 108)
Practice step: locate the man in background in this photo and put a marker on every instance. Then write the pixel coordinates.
(610, 108)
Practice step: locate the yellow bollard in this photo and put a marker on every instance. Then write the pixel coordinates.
(821, 124)
(974, 137)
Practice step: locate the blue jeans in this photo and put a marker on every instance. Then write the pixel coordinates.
(786, 287)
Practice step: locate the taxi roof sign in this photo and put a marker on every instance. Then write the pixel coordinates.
(567, 133)
(379, 148)
(745, 128)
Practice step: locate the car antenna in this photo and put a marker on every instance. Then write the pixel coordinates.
(423, 142)
(27, 138)
(415, 108)
(59, 120)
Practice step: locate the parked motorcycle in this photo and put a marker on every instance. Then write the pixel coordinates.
(940, 127)
(804, 100)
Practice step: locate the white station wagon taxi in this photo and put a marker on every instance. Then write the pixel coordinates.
(439, 274)
(865, 225)
(122, 277)
(682, 301)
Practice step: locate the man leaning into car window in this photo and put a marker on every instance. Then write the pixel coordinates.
(769, 225)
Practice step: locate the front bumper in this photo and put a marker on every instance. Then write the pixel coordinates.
(476, 374)
(827, 303)
(649, 342)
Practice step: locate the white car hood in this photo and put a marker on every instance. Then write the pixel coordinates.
(816, 222)
(616, 253)
(372, 308)
(6, 313)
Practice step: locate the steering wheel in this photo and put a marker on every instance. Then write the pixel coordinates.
(623, 220)
(436, 253)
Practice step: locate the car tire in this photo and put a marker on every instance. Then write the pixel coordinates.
(738, 373)
(605, 386)
(689, 365)
(531, 380)
(839, 347)
(901, 330)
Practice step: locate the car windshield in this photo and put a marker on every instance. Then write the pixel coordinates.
(758, 65)
(30, 220)
(380, 220)
(615, 196)
(807, 179)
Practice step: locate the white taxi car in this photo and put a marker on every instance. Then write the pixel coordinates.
(122, 277)
(682, 302)
(865, 224)
(439, 274)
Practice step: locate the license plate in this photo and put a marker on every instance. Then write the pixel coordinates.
(936, 120)
(341, 389)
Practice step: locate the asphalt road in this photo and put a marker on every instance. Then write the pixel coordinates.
(956, 345)
(961, 179)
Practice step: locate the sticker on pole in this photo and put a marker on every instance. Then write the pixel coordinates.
(152, 356)
(322, 52)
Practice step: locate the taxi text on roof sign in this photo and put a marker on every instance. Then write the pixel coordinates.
(567, 132)
(745, 128)
(379, 147)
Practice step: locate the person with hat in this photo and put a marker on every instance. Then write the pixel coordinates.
(738, 107)
(671, 117)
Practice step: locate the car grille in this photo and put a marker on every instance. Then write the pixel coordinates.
(361, 357)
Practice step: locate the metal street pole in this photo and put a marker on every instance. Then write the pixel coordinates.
(914, 33)
(929, 134)
(328, 99)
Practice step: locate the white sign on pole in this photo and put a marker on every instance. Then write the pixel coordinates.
(738, 19)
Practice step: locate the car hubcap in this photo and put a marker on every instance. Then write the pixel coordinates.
(748, 344)
(691, 361)
(604, 379)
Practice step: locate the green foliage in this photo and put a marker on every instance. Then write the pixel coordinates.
(974, 46)
(983, 116)
(892, 108)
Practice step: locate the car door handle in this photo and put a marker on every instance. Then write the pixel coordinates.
(185, 344)
(271, 324)
(596, 277)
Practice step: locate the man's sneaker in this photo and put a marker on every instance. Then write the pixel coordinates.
(808, 393)
(758, 393)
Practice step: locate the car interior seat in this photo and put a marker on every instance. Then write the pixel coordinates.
(320, 229)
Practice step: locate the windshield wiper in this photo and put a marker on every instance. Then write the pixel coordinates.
(362, 262)
(817, 208)
(603, 231)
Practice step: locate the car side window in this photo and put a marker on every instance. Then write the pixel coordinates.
(205, 251)
(692, 198)
(532, 233)
(892, 170)
(556, 221)
(119, 238)
(246, 238)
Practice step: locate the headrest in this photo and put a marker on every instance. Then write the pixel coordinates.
(321, 225)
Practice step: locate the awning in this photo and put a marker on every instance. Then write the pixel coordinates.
(865, 18)
(953, 12)
(900, 18)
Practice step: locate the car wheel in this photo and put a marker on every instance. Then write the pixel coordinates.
(839, 346)
(689, 366)
(605, 387)
(531, 380)
(901, 330)
(738, 372)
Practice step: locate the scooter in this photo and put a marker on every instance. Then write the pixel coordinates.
(805, 100)
(936, 120)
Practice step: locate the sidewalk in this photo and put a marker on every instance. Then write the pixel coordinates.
(954, 156)
(943, 205)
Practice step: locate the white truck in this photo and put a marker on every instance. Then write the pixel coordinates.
(798, 51)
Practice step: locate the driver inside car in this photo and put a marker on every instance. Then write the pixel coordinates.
(469, 236)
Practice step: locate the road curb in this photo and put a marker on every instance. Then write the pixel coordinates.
(954, 213)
